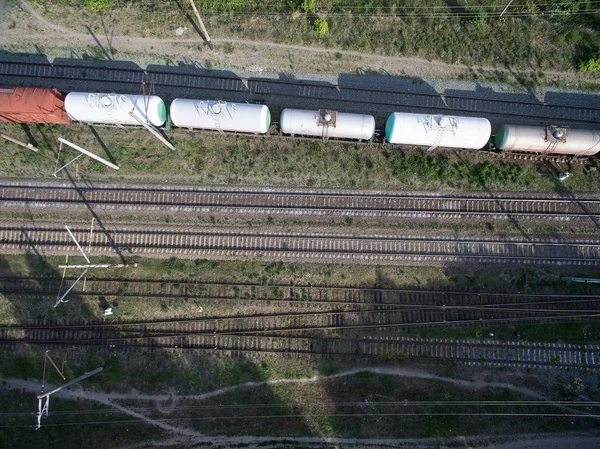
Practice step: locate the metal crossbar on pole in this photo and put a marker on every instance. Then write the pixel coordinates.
(43, 409)
(87, 153)
(99, 265)
(70, 288)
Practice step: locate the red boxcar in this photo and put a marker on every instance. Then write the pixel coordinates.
(32, 105)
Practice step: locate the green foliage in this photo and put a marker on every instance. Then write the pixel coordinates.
(309, 6)
(591, 65)
(321, 27)
(173, 264)
(97, 6)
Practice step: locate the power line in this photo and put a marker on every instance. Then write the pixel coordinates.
(319, 415)
(475, 403)
(432, 15)
(495, 7)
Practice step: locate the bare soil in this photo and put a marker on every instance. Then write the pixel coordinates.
(24, 28)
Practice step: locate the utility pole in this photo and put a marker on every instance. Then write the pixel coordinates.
(82, 152)
(18, 142)
(43, 408)
(86, 267)
(154, 132)
(505, 8)
(210, 45)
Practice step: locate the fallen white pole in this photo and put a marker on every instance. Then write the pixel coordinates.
(18, 142)
(99, 265)
(201, 23)
(152, 130)
(77, 243)
(88, 153)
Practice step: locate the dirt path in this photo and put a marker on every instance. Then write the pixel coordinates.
(248, 55)
(184, 435)
(261, 55)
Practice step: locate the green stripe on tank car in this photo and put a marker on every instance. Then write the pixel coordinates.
(268, 118)
(501, 137)
(389, 126)
(162, 111)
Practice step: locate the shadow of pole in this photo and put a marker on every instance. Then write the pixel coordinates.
(104, 147)
(481, 182)
(191, 20)
(104, 50)
(109, 39)
(565, 192)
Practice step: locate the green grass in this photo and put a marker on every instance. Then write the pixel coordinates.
(542, 42)
(208, 158)
(17, 419)
(583, 332)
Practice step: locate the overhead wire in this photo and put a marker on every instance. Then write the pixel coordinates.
(414, 11)
(416, 16)
(348, 3)
(470, 403)
(316, 415)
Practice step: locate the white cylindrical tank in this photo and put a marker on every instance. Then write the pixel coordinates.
(438, 130)
(209, 114)
(114, 109)
(327, 124)
(548, 140)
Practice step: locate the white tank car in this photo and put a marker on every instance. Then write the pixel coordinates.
(114, 109)
(438, 130)
(326, 123)
(209, 114)
(548, 140)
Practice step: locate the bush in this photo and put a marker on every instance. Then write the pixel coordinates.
(309, 6)
(321, 27)
(591, 65)
(97, 6)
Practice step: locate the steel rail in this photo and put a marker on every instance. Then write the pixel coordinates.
(305, 246)
(43, 195)
(290, 324)
(268, 201)
(490, 353)
(291, 295)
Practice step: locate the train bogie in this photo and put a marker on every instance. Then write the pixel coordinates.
(32, 105)
(325, 123)
(438, 130)
(548, 140)
(219, 115)
(115, 109)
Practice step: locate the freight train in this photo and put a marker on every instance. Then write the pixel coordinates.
(42, 105)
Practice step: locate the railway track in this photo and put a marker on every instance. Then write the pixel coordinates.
(298, 294)
(42, 196)
(296, 333)
(298, 324)
(338, 309)
(171, 241)
(230, 86)
(491, 353)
